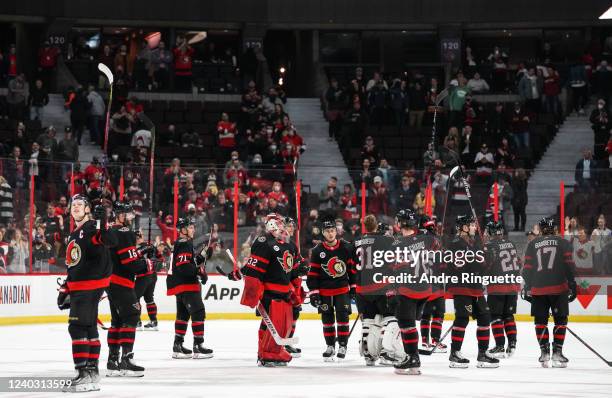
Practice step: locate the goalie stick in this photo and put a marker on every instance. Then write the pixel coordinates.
(282, 341)
(609, 363)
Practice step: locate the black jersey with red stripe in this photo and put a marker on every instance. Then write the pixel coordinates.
(127, 261)
(332, 269)
(88, 257)
(502, 259)
(183, 274)
(272, 262)
(365, 247)
(465, 267)
(549, 266)
(419, 261)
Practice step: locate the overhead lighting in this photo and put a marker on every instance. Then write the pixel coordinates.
(607, 14)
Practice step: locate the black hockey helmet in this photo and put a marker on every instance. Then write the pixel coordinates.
(122, 207)
(328, 222)
(427, 223)
(184, 222)
(82, 198)
(382, 228)
(548, 225)
(463, 219)
(406, 218)
(495, 228)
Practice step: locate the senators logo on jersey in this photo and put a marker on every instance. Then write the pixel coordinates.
(335, 267)
(73, 253)
(286, 261)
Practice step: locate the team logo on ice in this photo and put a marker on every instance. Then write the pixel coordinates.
(287, 261)
(73, 253)
(335, 267)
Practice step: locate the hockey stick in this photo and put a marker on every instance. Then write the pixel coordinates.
(609, 363)
(448, 187)
(468, 193)
(441, 97)
(151, 127)
(427, 352)
(353, 327)
(109, 75)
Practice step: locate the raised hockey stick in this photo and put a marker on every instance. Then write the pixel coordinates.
(468, 193)
(448, 187)
(427, 352)
(151, 126)
(109, 75)
(609, 363)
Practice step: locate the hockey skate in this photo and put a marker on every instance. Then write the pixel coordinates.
(411, 365)
(294, 351)
(510, 349)
(457, 360)
(328, 355)
(180, 352)
(139, 326)
(151, 326)
(201, 352)
(129, 368)
(426, 348)
(558, 359)
(370, 360)
(94, 373)
(486, 360)
(341, 352)
(498, 352)
(266, 364)
(440, 348)
(112, 366)
(545, 355)
(81, 383)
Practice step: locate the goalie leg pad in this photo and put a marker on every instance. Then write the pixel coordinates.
(391, 345)
(281, 315)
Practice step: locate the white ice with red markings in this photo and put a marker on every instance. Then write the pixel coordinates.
(44, 350)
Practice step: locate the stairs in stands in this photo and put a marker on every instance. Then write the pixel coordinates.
(322, 158)
(558, 163)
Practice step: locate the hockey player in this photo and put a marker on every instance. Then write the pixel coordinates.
(125, 310)
(267, 279)
(145, 285)
(371, 298)
(549, 286)
(468, 296)
(331, 280)
(502, 260)
(89, 271)
(433, 311)
(186, 275)
(412, 296)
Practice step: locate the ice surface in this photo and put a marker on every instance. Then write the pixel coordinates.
(44, 350)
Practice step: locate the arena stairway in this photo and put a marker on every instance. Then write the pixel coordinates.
(322, 158)
(558, 163)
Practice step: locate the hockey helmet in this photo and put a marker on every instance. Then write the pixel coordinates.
(406, 218)
(82, 198)
(274, 223)
(184, 222)
(122, 207)
(328, 222)
(382, 228)
(495, 228)
(463, 219)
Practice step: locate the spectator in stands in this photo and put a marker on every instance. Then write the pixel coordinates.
(584, 252)
(67, 149)
(370, 151)
(97, 110)
(430, 157)
(6, 201)
(16, 98)
(356, 91)
(377, 99)
(335, 98)
(312, 233)
(470, 60)
(16, 175)
(121, 87)
(417, 104)
(161, 62)
(505, 153)
(48, 143)
(468, 146)
(378, 198)
(121, 129)
(19, 246)
(519, 126)
(366, 174)
(456, 101)
(500, 74)
(578, 84)
(348, 202)
(497, 53)
(37, 100)
(235, 172)
(121, 60)
(226, 131)
(530, 89)
(329, 197)
(484, 163)
(571, 228)
(79, 109)
(448, 154)
(183, 64)
(388, 174)
(603, 80)
(431, 95)
(586, 171)
(399, 102)
(11, 60)
(551, 90)
(601, 124)
(472, 112)
(189, 139)
(353, 127)
(602, 238)
(496, 125)
(47, 60)
(477, 85)
(269, 102)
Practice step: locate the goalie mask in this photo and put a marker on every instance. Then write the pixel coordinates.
(275, 225)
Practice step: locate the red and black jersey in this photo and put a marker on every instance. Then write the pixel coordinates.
(549, 266)
(502, 259)
(183, 274)
(364, 249)
(88, 257)
(127, 261)
(420, 262)
(272, 262)
(332, 269)
(462, 267)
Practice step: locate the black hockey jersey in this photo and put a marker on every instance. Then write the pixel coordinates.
(365, 249)
(464, 269)
(126, 259)
(271, 262)
(332, 269)
(88, 257)
(549, 266)
(502, 259)
(420, 262)
(183, 275)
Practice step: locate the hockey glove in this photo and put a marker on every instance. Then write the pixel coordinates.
(526, 294)
(99, 213)
(203, 275)
(146, 250)
(315, 300)
(234, 275)
(199, 259)
(63, 298)
(573, 293)
(303, 267)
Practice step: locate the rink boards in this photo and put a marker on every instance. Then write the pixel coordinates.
(32, 299)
